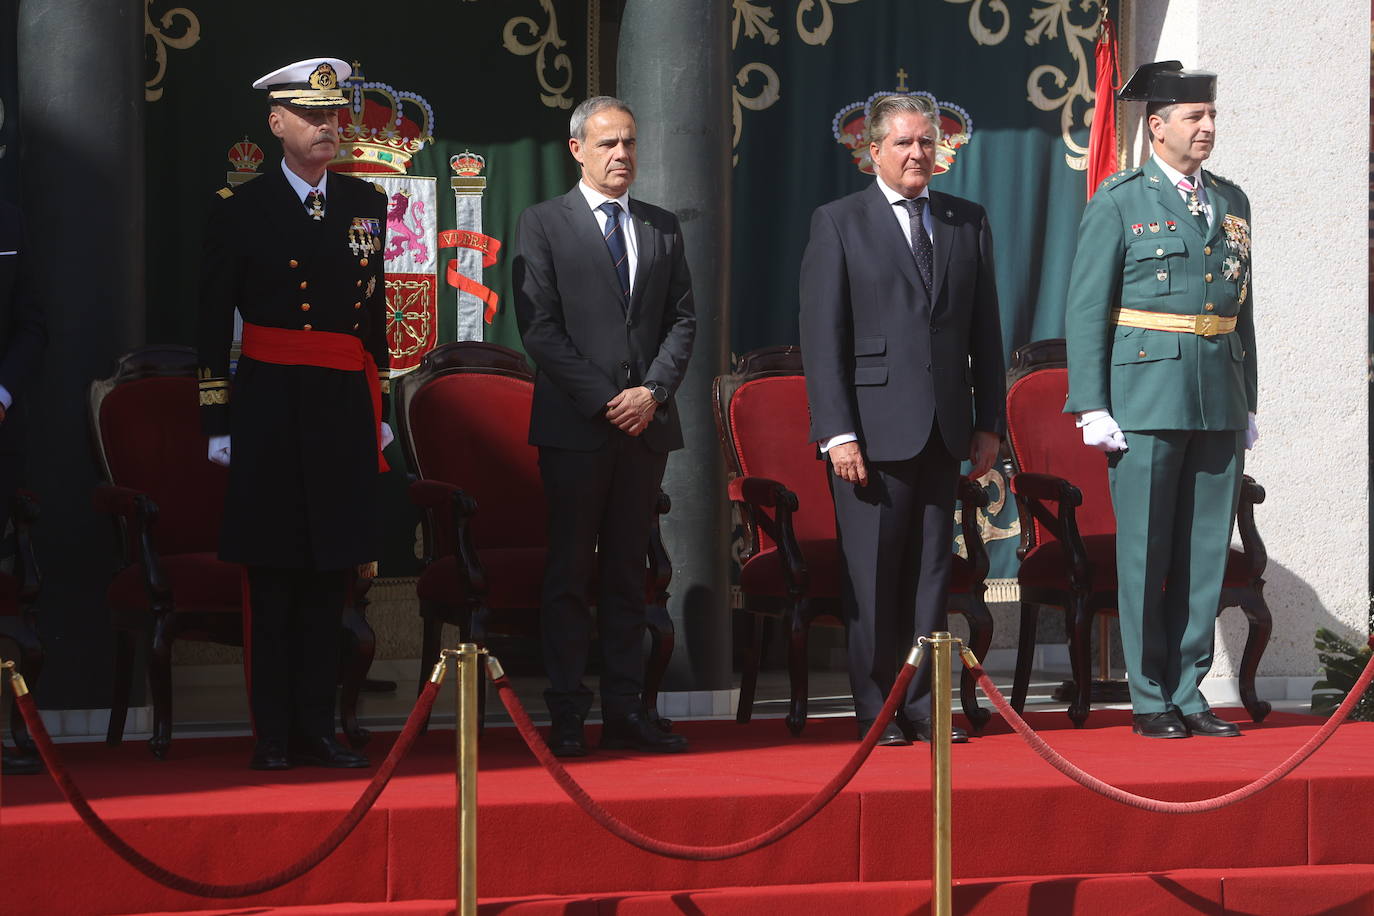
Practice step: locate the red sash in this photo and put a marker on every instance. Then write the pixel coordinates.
(325, 349)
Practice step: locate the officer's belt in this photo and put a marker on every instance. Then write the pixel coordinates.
(1201, 325)
(324, 349)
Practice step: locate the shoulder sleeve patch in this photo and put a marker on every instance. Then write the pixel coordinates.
(225, 193)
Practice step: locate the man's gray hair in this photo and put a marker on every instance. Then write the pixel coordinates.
(890, 106)
(577, 124)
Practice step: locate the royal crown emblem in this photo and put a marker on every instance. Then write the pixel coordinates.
(386, 126)
(849, 123)
(467, 164)
(245, 156)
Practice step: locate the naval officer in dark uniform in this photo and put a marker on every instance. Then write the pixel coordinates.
(298, 252)
(1162, 376)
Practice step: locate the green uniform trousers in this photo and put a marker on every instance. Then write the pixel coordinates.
(1175, 494)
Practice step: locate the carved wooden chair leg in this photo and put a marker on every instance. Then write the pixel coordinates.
(31, 666)
(980, 640)
(1261, 624)
(797, 668)
(123, 685)
(358, 644)
(1025, 655)
(160, 685)
(749, 677)
(662, 639)
(1080, 660)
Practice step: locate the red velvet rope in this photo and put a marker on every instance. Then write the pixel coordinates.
(680, 850)
(1056, 760)
(167, 878)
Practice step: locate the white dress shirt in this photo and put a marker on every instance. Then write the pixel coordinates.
(903, 220)
(303, 187)
(627, 227)
(1176, 176)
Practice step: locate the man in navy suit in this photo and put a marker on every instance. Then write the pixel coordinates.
(905, 377)
(604, 302)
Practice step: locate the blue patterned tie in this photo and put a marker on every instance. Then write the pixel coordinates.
(920, 242)
(615, 242)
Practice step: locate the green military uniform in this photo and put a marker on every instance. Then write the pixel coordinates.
(1181, 397)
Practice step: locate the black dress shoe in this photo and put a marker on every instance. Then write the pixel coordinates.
(326, 752)
(919, 730)
(634, 731)
(269, 754)
(892, 735)
(1209, 725)
(566, 738)
(18, 763)
(1159, 725)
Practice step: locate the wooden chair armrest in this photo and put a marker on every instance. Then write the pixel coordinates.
(1046, 487)
(121, 501)
(763, 492)
(24, 513)
(759, 494)
(1033, 491)
(138, 513)
(448, 510)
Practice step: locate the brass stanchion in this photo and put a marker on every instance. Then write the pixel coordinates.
(941, 723)
(465, 694)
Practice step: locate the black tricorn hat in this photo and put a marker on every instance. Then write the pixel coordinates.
(1167, 81)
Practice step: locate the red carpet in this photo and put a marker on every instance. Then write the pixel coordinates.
(204, 814)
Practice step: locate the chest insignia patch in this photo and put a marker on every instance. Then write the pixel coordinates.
(1138, 228)
(1154, 227)
(1173, 226)
(1162, 275)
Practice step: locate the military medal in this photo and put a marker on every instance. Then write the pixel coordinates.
(315, 205)
(364, 236)
(1138, 228)
(1230, 268)
(1194, 205)
(1173, 226)
(1154, 227)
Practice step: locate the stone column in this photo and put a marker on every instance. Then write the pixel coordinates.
(81, 151)
(674, 72)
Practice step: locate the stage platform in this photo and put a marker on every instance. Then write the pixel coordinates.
(1026, 839)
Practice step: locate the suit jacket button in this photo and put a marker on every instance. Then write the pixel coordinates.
(308, 328)
(358, 283)
(357, 305)
(305, 306)
(1209, 306)
(304, 284)
(355, 327)
(293, 263)
(1208, 278)
(362, 262)
(1207, 250)
(1142, 353)
(1159, 251)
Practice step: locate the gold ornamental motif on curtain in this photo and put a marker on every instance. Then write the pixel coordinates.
(178, 29)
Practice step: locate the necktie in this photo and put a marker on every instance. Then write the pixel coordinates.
(1189, 186)
(314, 204)
(920, 242)
(615, 243)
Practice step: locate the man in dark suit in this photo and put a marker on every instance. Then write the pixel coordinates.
(904, 374)
(298, 253)
(604, 302)
(23, 335)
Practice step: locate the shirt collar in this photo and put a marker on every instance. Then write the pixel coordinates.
(893, 197)
(300, 185)
(1175, 176)
(595, 198)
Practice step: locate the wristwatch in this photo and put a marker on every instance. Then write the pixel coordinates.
(660, 392)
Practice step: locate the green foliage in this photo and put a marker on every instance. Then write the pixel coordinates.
(1344, 662)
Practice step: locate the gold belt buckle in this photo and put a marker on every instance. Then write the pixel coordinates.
(1205, 325)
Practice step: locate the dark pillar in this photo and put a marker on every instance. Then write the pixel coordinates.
(674, 72)
(81, 150)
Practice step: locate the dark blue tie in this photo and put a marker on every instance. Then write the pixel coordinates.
(615, 243)
(920, 242)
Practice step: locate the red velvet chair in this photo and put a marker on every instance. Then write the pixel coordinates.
(1068, 532)
(463, 421)
(18, 608)
(790, 566)
(166, 499)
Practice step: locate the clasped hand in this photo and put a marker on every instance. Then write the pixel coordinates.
(631, 410)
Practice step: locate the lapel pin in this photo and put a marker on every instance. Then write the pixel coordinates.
(949, 214)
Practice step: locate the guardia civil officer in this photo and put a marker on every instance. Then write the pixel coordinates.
(1161, 352)
(298, 252)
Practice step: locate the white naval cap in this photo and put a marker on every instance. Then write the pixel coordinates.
(312, 83)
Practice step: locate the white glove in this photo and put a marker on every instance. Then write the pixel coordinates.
(1101, 432)
(219, 450)
(1251, 434)
(387, 436)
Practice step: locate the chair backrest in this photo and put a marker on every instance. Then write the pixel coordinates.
(145, 420)
(764, 424)
(464, 417)
(1044, 440)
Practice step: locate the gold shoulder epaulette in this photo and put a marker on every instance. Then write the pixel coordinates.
(378, 186)
(225, 193)
(1112, 181)
(1217, 177)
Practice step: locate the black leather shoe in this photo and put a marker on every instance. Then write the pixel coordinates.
(326, 752)
(1209, 725)
(919, 730)
(1159, 725)
(635, 731)
(566, 738)
(269, 754)
(18, 763)
(892, 736)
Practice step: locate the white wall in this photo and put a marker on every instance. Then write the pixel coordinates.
(1293, 109)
